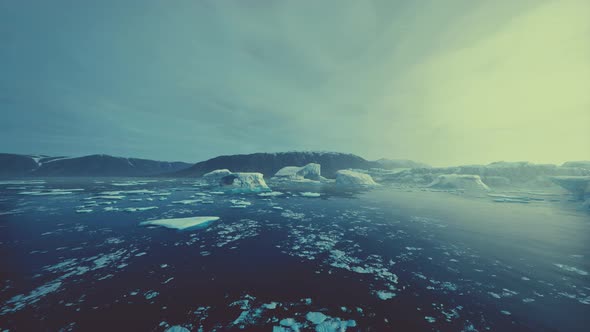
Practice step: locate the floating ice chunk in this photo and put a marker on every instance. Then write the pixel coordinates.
(430, 319)
(270, 306)
(108, 197)
(162, 194)
(495, 295)
(84, 211)
(177, 328)
(17, 182)
(18, 302)
(271, 194)
(130, 192)
(45, 193)
(288, 322)
(571, 269)
(132, 183)
(241, 318)
(150, 295)
(187, 201)
(181, 223)
(334, 325)
(507, 313)
(316, 317)
(240, 203)
(139, 209)
(309, 194)
(385, 295)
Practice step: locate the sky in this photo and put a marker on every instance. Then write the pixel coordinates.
(443, 82)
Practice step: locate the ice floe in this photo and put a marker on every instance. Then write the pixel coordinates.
(571, 269)
(271, 194)
(188, 201)
(310, 194)
(139, 209)
(181, 223)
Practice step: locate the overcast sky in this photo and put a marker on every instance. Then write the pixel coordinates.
(442, 82)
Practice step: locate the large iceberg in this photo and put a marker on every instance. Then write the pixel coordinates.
(214, 177)
(352, 178)
(237, 182)
(578, 164)
(310, 171)
(459, 181)
(578, 185)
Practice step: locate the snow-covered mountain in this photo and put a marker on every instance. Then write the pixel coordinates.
(93, 165)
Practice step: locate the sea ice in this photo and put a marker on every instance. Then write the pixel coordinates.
(385, 295)
(310, 194)
(177, 328)
(139, 209)
(316, 317)
(571, 269)
(271, 194)
(187, 201)
(181, 223)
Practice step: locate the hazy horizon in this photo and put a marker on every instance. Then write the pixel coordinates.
(444, 83)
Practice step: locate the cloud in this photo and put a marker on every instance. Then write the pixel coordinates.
(445, 83)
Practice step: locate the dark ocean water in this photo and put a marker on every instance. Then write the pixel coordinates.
(384, 260)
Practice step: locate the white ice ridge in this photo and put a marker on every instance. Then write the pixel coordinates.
(310, 194)
(459, 181)
(181, 223)
(351, 178)
(310, 171)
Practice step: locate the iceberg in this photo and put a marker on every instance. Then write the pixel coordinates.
(213, 177)
(181, 223)
(577, 185)
(311, 171)
(352, 178)
(236, 182)
(459, 181)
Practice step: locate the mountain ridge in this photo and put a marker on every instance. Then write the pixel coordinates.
(90, 165)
